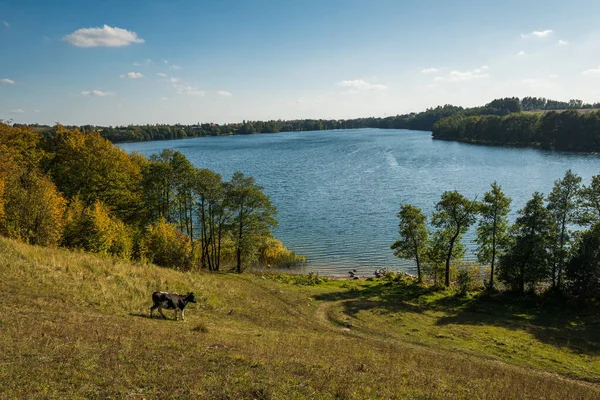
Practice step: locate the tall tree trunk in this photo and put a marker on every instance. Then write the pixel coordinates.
(417, 259)
(493, 251)
(240, 237)
(449, 257)
(203, 233)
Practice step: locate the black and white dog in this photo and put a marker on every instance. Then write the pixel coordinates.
(168, 301)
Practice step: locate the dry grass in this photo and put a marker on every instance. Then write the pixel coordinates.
(75, 326)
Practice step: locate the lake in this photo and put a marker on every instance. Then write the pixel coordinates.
(338, 192)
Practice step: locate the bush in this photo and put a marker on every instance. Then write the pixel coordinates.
(164, 245)
(274, 253)
(95, 229)
(312, 279)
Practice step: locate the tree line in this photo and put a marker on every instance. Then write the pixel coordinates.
(424, 121)
(78, 190)
(568, 130)
(554, 242)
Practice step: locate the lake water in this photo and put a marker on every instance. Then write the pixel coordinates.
(338, 192)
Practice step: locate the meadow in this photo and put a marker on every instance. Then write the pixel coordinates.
(76, 325)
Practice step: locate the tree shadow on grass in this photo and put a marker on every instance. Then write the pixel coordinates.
(387, 297)
(548, 318)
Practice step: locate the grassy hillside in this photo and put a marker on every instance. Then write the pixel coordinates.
(74, 325)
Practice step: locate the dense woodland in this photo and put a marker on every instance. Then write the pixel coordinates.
(553, 244)
(569, 130)
(78, 190)
(457, 127)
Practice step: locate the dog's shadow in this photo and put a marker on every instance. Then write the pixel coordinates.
(147, 316)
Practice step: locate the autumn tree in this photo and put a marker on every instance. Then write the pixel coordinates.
(492, 232)
(413, 237)
(88, 166)
(453, 217)
(33, 209)
(165, 245)
(94, 228)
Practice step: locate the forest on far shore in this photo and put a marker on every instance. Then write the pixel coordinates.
(531, 121)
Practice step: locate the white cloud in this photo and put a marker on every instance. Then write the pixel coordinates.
(133, 75)
(96, 92)
(553, 76)
(537, 34)
(189, 90)
(164, 98)
(165, 61)
(361, 85)
(224, 93)
(562, 43)
(17, 111)
(592, 71)
(162, 75)
(105, 37)
(6, 24)
(174, 80)
(175, 67)
(457, 76)
(6, 81)
(36, 111)
(143, 63)
(521, 53)
(429, 70)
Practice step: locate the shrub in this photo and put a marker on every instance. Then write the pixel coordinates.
(166, 246)
(97, 230)
(274, 253)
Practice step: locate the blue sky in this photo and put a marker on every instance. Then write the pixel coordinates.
(157, 61)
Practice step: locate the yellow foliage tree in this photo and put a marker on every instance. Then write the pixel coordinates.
(91, 167)
(166, 246)
(95, 229)
(274, 253)
(33, 209)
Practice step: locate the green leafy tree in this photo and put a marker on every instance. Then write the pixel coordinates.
(454, 214)
(413, 236)
(213, 214)
(492, 232)
(583, 269)
(158, 187)
(563, 204)
(184, 175)
(590, 196)
(526, 261)
(436, 254)
(253, 216)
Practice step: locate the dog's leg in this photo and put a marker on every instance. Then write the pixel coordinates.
(161, 313)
